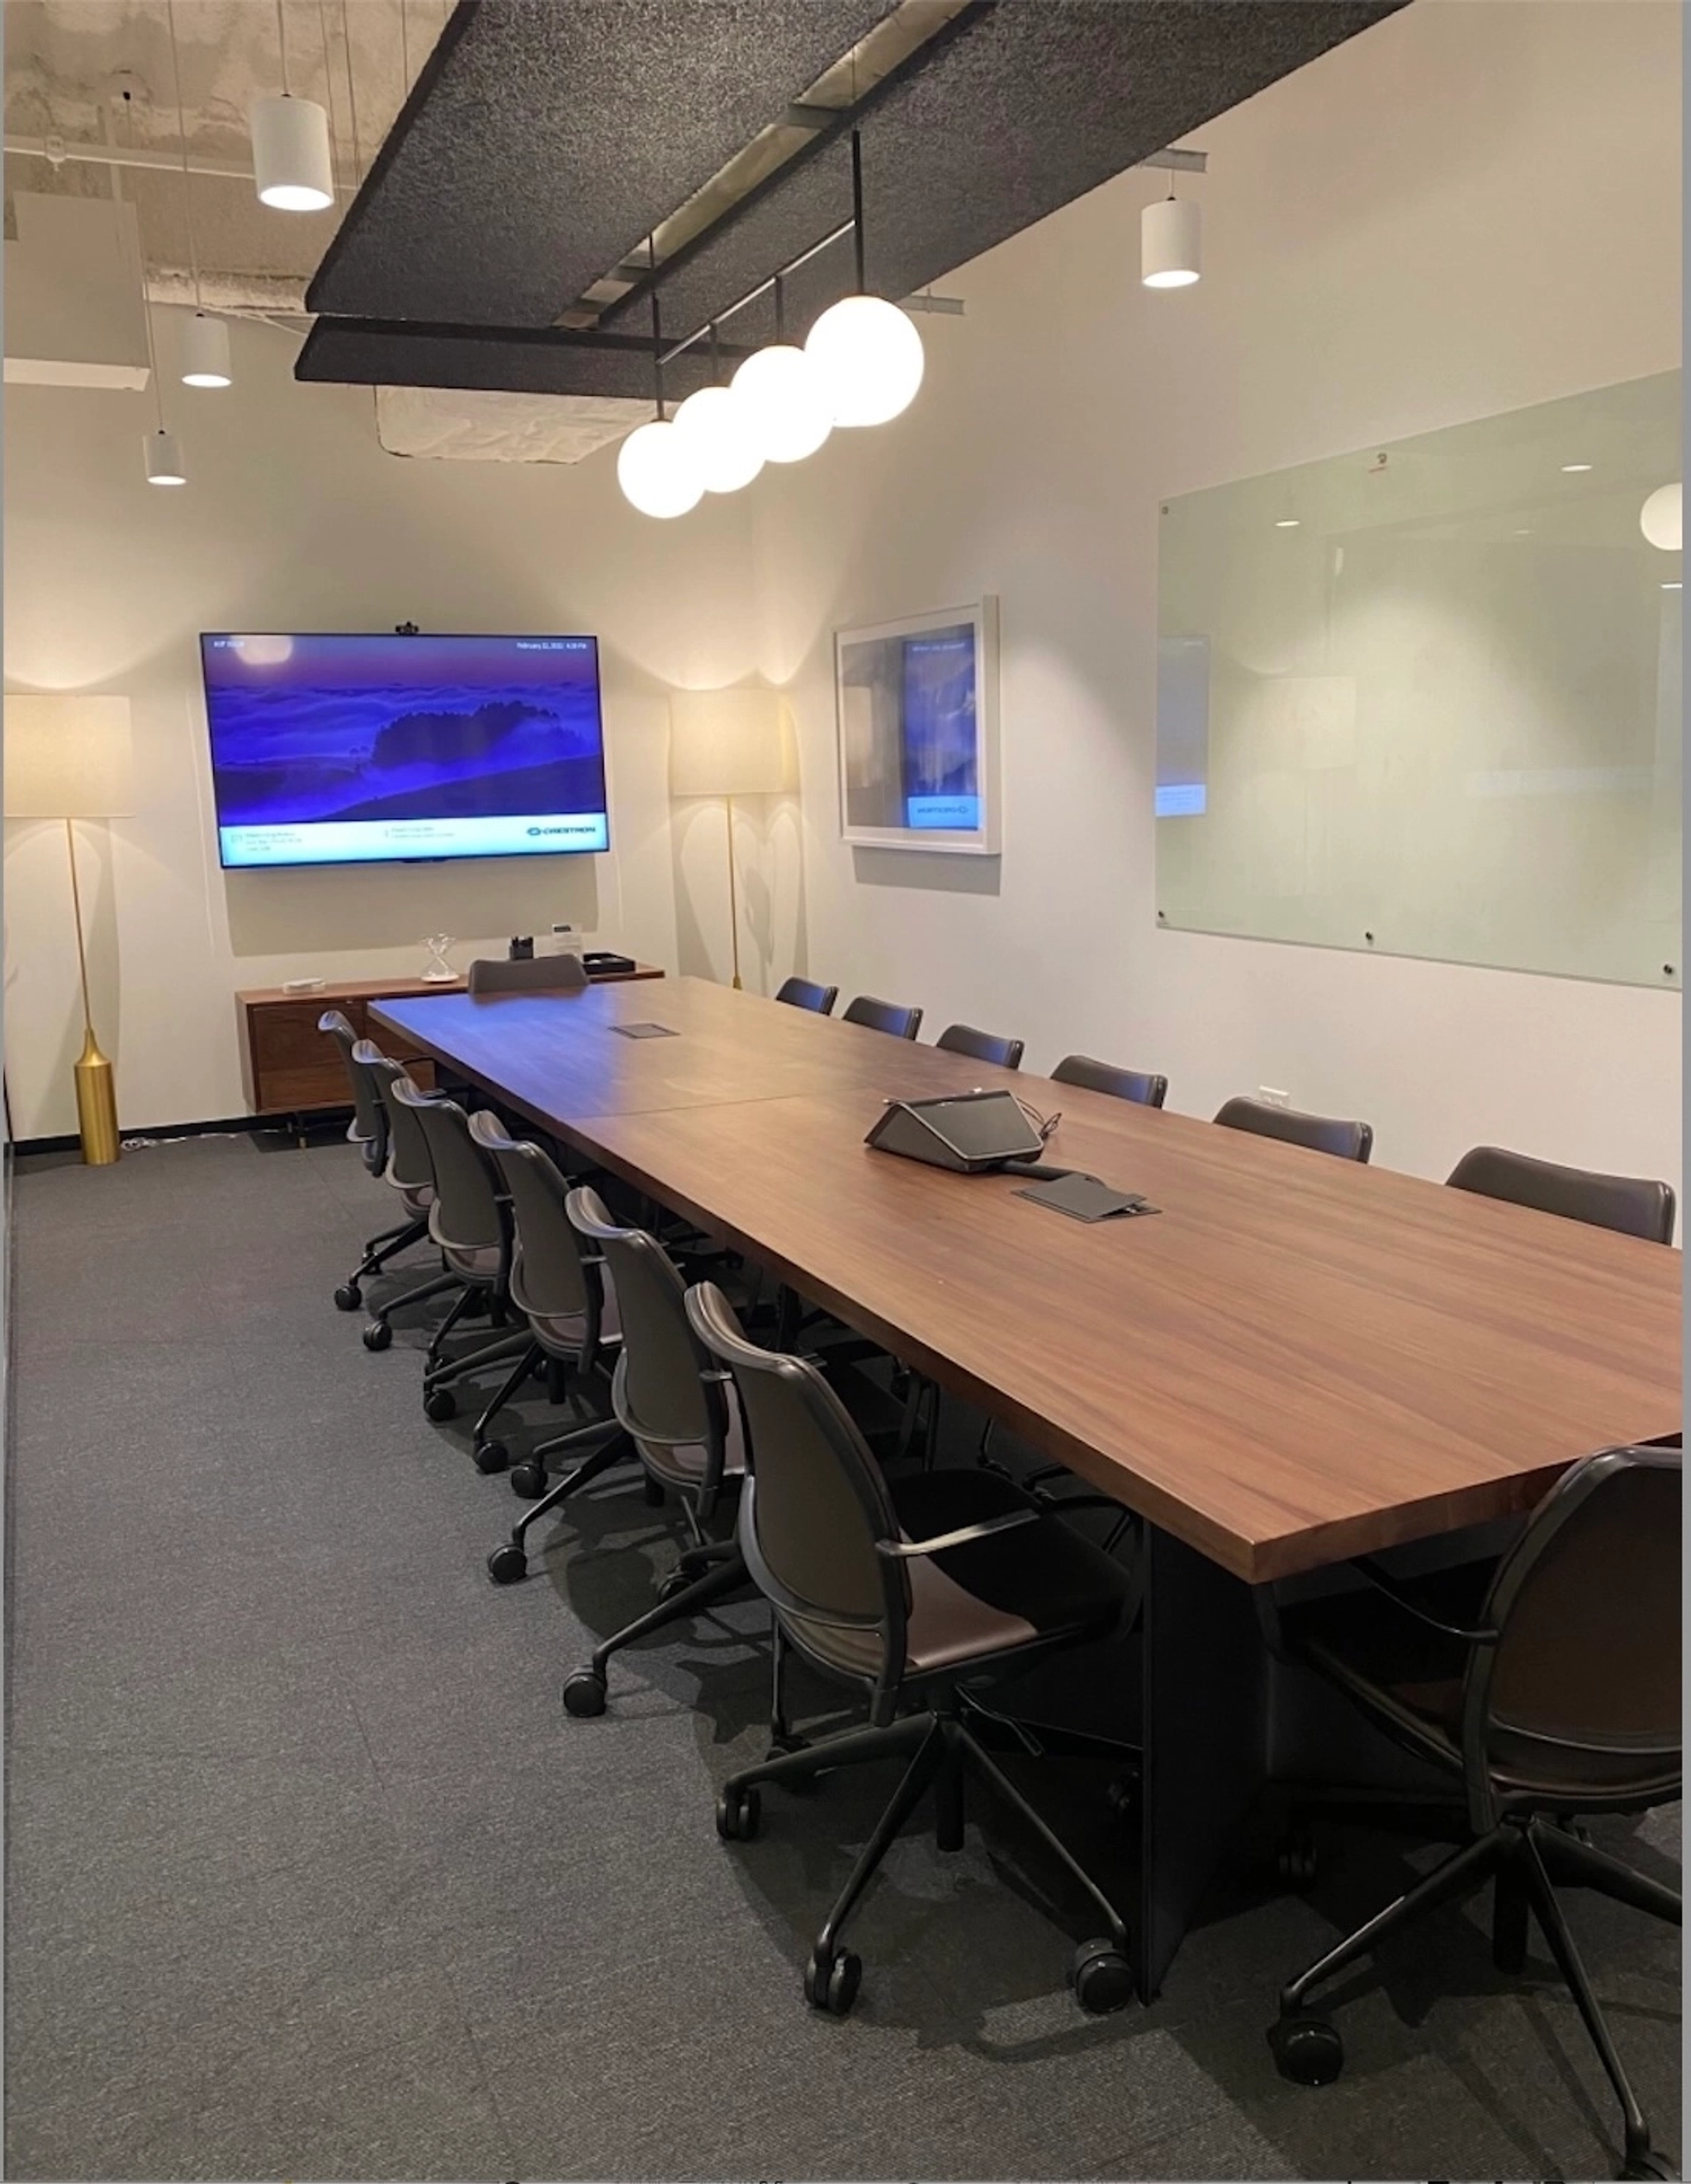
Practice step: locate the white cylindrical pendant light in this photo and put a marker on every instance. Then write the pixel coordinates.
(1662, 518)
(1170, 243)
(658, 471)
(783, 395)
(163, 459)
(291, 162)
(205, 352)
(722, 438)
(869, 357)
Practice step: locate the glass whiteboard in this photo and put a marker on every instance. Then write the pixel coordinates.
(1425, 698)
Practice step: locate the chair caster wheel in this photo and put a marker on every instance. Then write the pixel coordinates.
(1647, 2164)
(529, 1481)
(491, 1455)
(584, 1694)
(674, 1584)
(508, 1565)
(739, 1813)
(349, 1297)
(1307, 2050)
(439, 1405)
(831, 1983)
(539, 1369)
(377, 1336)
(1102, 1978)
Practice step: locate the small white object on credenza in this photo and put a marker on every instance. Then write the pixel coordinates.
(304, 985)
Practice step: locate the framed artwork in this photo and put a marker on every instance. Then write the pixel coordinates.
(918, 726)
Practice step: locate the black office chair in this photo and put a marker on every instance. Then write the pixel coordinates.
(1322, 1133)
(805, 994)
(1135, 1085)
(882, 1016)
(469, 1224)
(409, 1172)
(982, 1045)
(532, 974)
(1550, 1690)
(368, 1131)
(908, 1593)
(1630, 1204)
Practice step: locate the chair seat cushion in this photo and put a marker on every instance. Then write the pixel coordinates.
(561, 1334)
(683, 1464)
(1036, 1584)
(417, 1197)
(480, 1263)
(1409, 1678)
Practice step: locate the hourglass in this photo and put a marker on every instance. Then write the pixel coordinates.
(437, 971)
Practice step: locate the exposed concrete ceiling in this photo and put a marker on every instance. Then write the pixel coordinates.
(98, 75)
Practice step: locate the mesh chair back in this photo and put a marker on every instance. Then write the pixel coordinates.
(1629, 1203)
(1322, 1133)
(805, 994)
(1587, 1605)
(883, 1015)
(818, 1502)
(1135, 1085)
(409, 1165)
(547, 1279)
(368, 1129)
(465, 1214)
(983, 1045)
(536, 974)
(661, 1396)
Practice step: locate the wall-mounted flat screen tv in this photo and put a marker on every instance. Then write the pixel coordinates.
(370, 750)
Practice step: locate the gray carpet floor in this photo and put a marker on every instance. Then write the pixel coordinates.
(308, 1875)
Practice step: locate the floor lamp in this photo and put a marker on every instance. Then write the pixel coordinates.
(728, 744)
(67, 757)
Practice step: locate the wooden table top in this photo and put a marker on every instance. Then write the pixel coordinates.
(370, 990)
(1296, 1359)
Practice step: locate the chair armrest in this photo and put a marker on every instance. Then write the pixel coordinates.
(1401, 1597)
(905, 1550)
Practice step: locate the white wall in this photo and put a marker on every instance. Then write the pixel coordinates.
(293, 518)
(1472, 207)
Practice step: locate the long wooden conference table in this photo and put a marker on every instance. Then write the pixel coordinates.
(1295, 1361)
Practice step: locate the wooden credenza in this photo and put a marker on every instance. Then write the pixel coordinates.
(290, 1068)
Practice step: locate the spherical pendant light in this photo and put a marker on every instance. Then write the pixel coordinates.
(163, 459)
(784, 397)
(869, 357)
(291, 162)
(205, 352)
(658, 470)
(722, 437)
(1170, 243)
(1660, 519)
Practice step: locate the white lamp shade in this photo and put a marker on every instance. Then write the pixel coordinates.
(1170, 243)
(1661, 518)
(783, 393)
(869, 357)
(728, 743)
(723, 438)
(205, 352)
(68, 755)
(163, 456)
(291, 162)
(658, 471)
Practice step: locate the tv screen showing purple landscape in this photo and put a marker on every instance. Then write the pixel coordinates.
(332, 750)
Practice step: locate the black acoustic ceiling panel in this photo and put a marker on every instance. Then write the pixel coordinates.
(514, 360)
(1030, 105)
(544, 139)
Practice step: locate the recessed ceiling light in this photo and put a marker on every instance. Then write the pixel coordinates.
(1568, 469)
(1670, 587)
(1286, 522)
(1525, 531)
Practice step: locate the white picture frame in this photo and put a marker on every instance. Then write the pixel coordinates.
(885, 801)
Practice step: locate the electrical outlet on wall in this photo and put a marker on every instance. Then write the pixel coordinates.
(1273, 1096)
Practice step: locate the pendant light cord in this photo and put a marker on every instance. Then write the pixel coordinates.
(352, 94)
(657, 329)
(182, 133)
(328, 92)
(282, 45)
(857, 206)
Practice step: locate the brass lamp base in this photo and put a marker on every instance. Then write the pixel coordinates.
(97, 1105)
